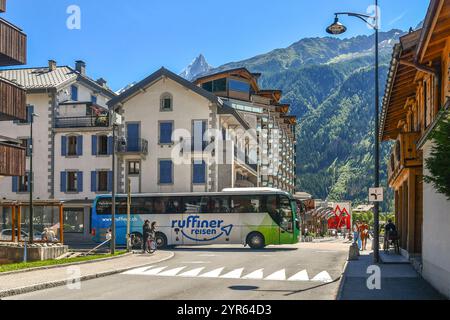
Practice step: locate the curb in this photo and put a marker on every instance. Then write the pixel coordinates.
(64, 265)
(341, 283)
(54, 284)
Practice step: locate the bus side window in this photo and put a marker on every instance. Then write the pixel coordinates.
(217, 204)
(286, 213)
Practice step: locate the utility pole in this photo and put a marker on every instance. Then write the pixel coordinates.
(113, 195)
(129, 215)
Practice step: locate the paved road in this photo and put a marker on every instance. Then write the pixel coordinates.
(302, 271)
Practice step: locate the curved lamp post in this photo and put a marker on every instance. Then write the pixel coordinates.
(338, 28)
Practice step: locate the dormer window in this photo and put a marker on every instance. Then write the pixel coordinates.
(166, 103)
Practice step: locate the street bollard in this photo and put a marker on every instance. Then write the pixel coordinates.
(354, 252)
(25, 252)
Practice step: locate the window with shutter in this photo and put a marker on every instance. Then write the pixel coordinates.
(165, 132)
(103, 181)
(165, 172)
(199, 172)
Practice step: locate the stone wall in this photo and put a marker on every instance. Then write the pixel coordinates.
(36, 252)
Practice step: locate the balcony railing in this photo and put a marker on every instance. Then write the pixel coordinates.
(139, 146)
(13, 45)
(404, 154)
(12, 160)
(12, 101)
(2, 5)
(82, 122)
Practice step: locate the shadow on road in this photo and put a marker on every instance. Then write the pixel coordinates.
(288, 292)
(197, 249)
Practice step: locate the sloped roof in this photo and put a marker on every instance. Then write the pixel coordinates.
(42, 78)
(163, 72)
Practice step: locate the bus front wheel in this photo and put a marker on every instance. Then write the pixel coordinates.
(161, 240)
(256, 240)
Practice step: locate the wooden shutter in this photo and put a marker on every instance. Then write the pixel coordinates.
(63, 145)
(63, 182)
(94, 145)
(94, 181)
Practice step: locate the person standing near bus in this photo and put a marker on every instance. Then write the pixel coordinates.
(146, 234)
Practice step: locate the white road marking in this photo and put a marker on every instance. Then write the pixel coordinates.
(192, 273)
(207, 255)
(138, 271)
(323, 277)
(171, 273)
(301, 276)
(212, 274)
(195, 262)
(256, 275)
(277, 276)
(153, 272)
(235, 274)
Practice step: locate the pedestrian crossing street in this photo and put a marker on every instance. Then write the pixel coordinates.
(222, 273)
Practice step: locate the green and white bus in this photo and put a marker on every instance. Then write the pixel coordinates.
(252, 216)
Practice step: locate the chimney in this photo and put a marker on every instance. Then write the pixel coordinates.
(80, 66)
(51, 65)
(102, 82)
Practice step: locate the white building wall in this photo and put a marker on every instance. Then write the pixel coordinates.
(436, 235)
(145, 109)
(41, 103)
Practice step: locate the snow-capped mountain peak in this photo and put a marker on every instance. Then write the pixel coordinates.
(198, 66)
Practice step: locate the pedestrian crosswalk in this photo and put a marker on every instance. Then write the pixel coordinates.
(223, 273)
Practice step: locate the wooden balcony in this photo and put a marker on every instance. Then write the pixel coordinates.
(12, 160)
(13, 45)
(404, 155)
(2, 5)
(12, 101)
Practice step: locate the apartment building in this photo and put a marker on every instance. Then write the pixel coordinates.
(71, 139)
(271, 161)
(415, 102)
(12, 96)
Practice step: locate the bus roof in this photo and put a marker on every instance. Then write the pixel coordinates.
(234, 191)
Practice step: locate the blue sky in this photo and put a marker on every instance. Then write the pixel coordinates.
(124, 41)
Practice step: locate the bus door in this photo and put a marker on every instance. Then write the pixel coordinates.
(286, 216)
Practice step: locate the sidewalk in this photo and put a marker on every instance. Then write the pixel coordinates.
(18, 283)
(398, 282)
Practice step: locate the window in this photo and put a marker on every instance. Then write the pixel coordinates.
(286, 214)
(425, 104)
(72, 146)
(134, 168)
(73, 220)
(74, 93)
(29, 114)
(199, 172)
(200, 141)
(219, 85)
(165, 172)
(208, 86)
(26, 143)
(218, 204)
(102, 147)
(72, 181)
(94, 99)
(245, 204)
(235, 85)
(102, 181)
(165, 132)
(21, 184)
(166, 102)
(194, 204)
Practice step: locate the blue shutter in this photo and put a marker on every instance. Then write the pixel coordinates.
(110, 145)
(94, 181)
(93, 99)
(80, 181)
(165, 134)
(199, 172)
(94, 145)
(133, 131)
(30, 111)
(79, 145)
(165, 171)
(15, 184)
(74, 93)
(30, 141)
(63, 182)
(63, 145)
(110, 178)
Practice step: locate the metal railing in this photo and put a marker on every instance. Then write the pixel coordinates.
(134, 146)
(82, 122)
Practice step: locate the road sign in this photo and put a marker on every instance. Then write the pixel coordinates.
(376, 195)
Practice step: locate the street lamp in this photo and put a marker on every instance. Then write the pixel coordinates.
(30, 178)
(337, 28)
